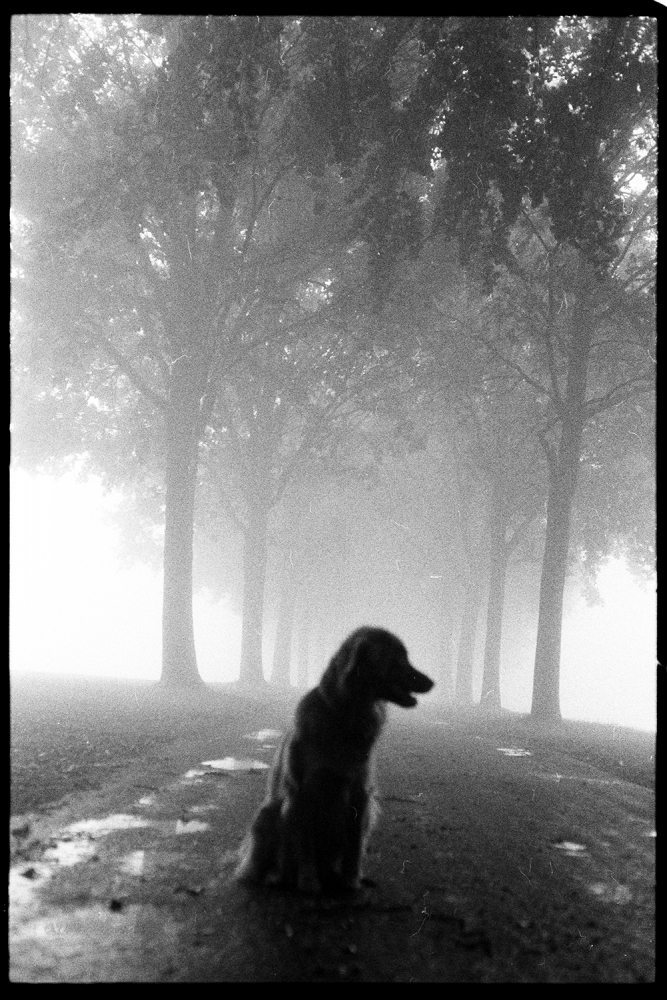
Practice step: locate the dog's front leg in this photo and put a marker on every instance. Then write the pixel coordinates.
(357, 828)
(297, 855)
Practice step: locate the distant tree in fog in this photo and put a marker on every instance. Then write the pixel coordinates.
(484, 419)
(505, 453)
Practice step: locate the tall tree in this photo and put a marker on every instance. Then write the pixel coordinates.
(156, 165)
(547, 130)
(153, 171)
(508, 454)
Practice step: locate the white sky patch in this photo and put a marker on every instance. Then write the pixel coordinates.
(609, 653)
(74, 609)
(637, 184)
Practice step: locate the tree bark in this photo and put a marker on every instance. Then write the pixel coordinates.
(179, 661)
(254, 578)
(303, 633)
(494, 614)
(281, 655)
(464, 661)
(546, 679)
(445, 680)
(564, 469)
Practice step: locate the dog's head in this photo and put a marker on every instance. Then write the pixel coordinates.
(373, 664)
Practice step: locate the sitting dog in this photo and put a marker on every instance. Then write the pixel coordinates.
(311, 830)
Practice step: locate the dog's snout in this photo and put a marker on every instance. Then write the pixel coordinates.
(420, 682)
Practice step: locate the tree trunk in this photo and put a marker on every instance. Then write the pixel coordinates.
(254, 578)
(302, 648)
(281, 654)
(445, 680)
(564, 469)
(464, 660)
(494, 614)
(179, 661)
(546, 679)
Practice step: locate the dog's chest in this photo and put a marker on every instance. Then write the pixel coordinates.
(347, 747)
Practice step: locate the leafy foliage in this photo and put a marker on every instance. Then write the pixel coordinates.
(300, 245)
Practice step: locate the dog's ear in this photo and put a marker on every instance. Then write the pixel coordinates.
(341, 676)
(357, 655)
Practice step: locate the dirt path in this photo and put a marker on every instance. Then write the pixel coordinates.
(490, 866)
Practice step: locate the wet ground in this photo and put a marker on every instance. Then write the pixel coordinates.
(503, 853)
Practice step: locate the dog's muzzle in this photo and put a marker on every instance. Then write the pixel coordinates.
(415, 682)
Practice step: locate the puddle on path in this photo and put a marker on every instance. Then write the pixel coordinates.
(262, 735)
(235, 764)
(108, 824)
(191, 826)
(193, 774)
(133, 863)
(617, 893)
(78, 841)
(572, 849)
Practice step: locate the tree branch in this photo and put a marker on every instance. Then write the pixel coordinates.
(262, 202)
(617, 395)
(214, 471)
(520, 531)
(126, 368)
(542, 389)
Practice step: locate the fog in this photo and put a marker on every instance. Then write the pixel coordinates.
(76, 607)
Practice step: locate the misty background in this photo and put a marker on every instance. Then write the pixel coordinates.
(322, 322)
(101, 616)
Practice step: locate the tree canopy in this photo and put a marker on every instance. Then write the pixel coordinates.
(251, 253)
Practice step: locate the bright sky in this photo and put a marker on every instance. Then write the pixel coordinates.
(74, 609)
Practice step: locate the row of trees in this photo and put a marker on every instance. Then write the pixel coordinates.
(254, 256)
